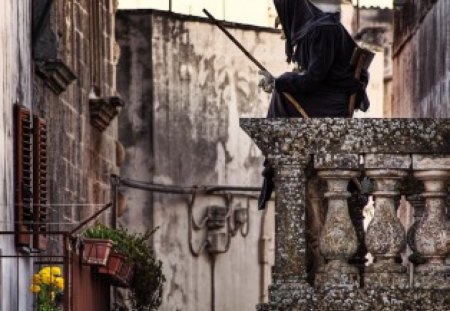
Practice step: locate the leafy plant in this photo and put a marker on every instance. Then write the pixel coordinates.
(148, 280)
(146, 286)
(100, 231)
(48, 285)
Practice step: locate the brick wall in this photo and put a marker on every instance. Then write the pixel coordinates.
(81, 157)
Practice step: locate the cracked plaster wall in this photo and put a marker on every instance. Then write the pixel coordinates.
(186, 87)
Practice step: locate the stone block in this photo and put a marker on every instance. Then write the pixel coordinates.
(431, 162)
(336, 161)
(294, 138)
(387, 161)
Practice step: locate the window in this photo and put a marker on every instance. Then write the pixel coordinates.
(30, 180)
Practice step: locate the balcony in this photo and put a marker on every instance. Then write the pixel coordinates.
(322, 239)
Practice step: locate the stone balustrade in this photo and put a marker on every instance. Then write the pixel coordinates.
(401, 157)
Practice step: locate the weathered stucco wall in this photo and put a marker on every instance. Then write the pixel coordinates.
(186, 87)
(15, 87)
(422, 60)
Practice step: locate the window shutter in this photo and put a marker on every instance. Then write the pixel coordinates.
(23, 174)
(40, 210)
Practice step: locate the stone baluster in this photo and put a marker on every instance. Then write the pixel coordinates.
(385, 237)
(417, 202)
(338, 240)
(289, 271)
(432, 235)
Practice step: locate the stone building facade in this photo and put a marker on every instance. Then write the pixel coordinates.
(76, 41)
(187, 85)
(15, 87)
(421, 59)
(58, 61)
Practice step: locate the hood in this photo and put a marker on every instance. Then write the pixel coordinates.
(298, 17)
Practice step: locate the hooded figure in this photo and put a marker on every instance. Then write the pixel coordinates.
(297, 19)
(322, 49)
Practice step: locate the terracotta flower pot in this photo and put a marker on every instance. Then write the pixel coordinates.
(96, 251)
(118, 271)
(125, 274)
(113, 266)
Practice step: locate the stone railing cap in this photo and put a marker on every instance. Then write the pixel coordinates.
(294, 138)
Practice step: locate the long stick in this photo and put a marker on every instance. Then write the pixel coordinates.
(289, 97)
(236, 42)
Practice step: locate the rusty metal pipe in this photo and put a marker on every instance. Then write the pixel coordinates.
(176, 189)
(89, 219)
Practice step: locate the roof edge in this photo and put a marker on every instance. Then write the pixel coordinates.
(193, 18)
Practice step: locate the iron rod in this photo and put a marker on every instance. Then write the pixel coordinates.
(231, 188)
(89, 219)
(49, 263)
(31, 256)
(32, 232)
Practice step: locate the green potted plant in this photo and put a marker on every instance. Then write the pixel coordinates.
(96, 245)
(132, 263)
(146, 285)
(118, 268)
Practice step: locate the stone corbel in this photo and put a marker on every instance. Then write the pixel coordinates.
(103, 110)
(56, 74)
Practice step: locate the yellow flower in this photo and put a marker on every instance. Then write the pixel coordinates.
(56, 271)
(59, 283)
(36, 279)
(35, 288)
(45, 270)
(46, 279)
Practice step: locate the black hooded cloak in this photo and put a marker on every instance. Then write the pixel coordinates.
(322, 48)
(319, 44)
